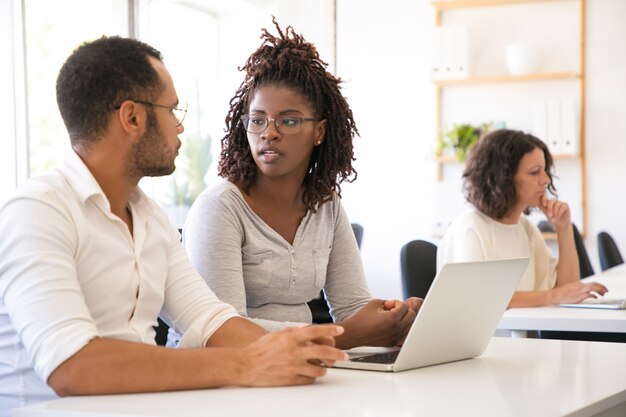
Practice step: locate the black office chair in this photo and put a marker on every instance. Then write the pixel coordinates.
(162, 329)
(583, 258)
(608, 251)
(418, 265)
(358, 233)
(319, 307)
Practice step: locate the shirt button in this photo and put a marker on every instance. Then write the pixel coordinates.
(293, 282)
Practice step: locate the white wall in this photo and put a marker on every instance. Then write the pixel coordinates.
(383, 54)
(240, 31)
(606, 110)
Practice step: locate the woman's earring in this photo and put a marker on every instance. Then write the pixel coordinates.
(318, 143)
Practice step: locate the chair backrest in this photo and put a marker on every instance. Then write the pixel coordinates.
(583, 258)
(418, 264)
(358, 233)
(608, 252)
(318, 306)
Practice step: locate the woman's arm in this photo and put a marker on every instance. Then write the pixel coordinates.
(558, 213)
(366, 322)
(345, 286)
(572, 292)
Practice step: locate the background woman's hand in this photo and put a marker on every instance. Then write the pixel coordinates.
(557, 212)
(575, 292)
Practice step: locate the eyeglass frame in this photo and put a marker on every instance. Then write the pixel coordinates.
(172, 108)
(246, 118)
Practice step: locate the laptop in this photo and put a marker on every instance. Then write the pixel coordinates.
(600, 302)
(457, 319)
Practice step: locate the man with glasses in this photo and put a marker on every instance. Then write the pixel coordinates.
(88, 262)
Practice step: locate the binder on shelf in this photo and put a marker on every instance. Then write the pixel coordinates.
(447, 49)
(539, 114)
(450, 54)
(437, 70)
(553, 125)
(569, 128)
(461, 52)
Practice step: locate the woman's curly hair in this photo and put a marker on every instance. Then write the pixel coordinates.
(490, 170)
(289, 60)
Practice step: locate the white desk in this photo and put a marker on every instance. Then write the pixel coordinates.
(514, 377)
(573, 319)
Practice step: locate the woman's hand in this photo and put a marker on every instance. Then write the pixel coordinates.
(575, 292)
(378, 323)
(557, 212)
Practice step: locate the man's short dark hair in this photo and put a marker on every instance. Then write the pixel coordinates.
(100, 75)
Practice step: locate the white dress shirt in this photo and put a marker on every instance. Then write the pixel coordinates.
(71, 271)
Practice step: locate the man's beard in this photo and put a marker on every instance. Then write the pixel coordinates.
(150, 156)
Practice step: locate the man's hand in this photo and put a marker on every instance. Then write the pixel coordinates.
(294, 356)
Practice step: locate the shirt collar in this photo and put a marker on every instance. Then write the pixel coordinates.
(80, 178)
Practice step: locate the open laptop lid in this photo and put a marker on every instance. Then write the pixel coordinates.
(459, 315)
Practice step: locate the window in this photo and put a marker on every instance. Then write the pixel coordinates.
(203, 43)
(51, 35)
(10, 81)
(187, 38)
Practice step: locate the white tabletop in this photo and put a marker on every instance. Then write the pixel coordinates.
(514, 377)
(574, 319)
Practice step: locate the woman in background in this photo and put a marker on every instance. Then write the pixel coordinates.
(507, 173)
(271, 235)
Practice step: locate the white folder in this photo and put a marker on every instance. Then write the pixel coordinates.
(569, 128)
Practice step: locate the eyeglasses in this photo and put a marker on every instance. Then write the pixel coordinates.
(178, 113)
(287, 125)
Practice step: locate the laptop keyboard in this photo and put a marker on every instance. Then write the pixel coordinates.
(384, 358)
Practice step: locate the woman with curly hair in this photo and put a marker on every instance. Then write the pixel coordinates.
(273, 233)
(507, 173)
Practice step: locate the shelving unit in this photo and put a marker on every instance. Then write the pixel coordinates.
(504, 79)
(507, 79)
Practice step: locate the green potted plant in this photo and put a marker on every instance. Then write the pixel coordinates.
(461, 137)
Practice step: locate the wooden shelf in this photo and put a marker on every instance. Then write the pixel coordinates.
(447, 159)
(575, 77)
(451, 159)
(464, 4)
(508, 78)
(549, 235)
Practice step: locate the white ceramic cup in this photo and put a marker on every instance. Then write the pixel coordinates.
(521, 59)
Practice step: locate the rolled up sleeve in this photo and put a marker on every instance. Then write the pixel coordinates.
(38, 283)
(191, 308)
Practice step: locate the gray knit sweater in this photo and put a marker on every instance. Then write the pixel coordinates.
(249, 265)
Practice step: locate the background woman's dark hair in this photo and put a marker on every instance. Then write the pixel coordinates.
(289, 60)
(489, 172)
(100, 75)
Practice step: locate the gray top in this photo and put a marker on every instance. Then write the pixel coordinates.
(249, 265)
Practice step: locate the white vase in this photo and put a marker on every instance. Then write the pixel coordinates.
(521, 59)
